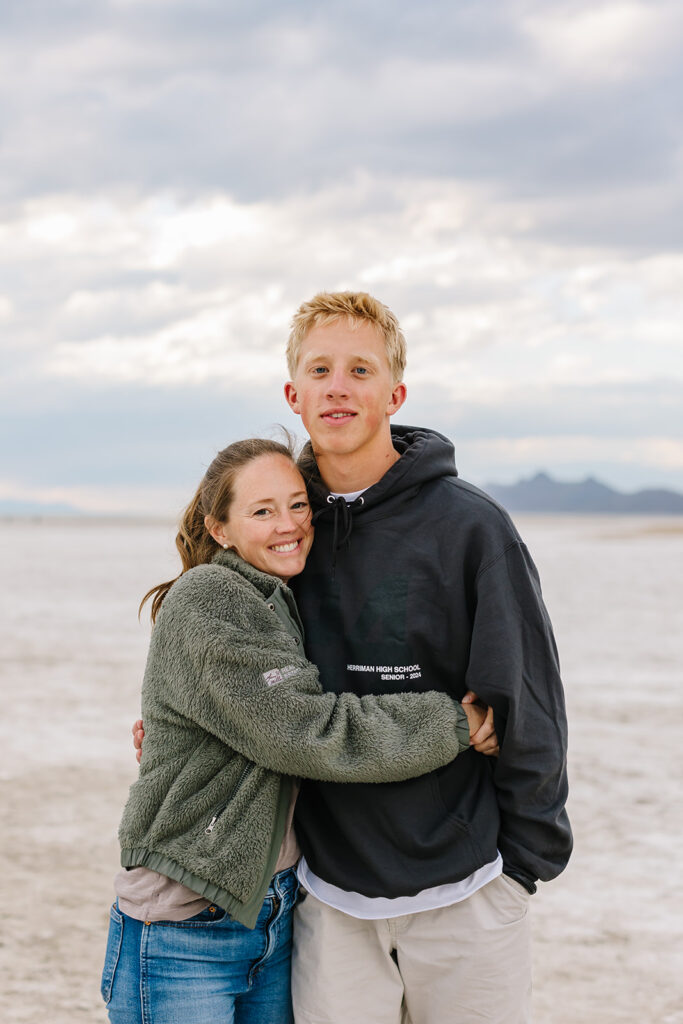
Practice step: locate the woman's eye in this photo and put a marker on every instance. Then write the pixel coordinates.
(300, 506)
(261, 512)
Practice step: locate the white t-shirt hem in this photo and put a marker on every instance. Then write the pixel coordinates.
(374, 908)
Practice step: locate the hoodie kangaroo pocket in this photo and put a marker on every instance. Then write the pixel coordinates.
(457, 828)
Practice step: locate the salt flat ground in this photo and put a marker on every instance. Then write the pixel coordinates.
(608, 932)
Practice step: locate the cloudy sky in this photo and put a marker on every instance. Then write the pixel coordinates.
(176, 177)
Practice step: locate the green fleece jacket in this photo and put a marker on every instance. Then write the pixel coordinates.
(232, 711)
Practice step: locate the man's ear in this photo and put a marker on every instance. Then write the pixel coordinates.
(398, 397)
(292, 398)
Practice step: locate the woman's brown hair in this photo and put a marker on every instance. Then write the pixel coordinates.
(214, 496)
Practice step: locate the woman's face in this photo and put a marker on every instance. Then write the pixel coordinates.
(269, 523)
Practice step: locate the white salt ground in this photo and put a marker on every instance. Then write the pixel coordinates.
(608, 932)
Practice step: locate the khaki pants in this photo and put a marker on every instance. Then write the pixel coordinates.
(466, 964)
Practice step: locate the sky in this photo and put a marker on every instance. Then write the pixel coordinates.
(176, 178)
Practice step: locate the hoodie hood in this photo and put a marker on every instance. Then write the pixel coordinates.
(425, 455)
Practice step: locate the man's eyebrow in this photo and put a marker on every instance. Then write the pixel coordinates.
(322, 357)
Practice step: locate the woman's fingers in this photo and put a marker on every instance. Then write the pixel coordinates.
(138, 737)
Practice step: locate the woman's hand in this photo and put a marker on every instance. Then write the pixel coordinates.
(482, 730)
(138, 737)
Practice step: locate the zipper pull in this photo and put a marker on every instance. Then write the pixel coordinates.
(210, 827)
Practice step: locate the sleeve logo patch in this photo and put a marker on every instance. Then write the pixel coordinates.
(278, 675)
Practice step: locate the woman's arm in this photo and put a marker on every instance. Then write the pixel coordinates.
(243, 680)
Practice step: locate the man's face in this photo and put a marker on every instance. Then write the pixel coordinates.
(343, 388)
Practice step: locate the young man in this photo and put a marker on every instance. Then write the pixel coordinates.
(417, 891)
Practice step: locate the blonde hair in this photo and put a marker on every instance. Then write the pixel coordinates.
(357, 307)
(213, 498)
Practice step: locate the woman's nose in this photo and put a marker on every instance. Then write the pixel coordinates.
(286, 521)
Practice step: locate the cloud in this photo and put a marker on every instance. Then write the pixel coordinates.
(507, 177)
(604, 41)
(568, 111)
(161, 291)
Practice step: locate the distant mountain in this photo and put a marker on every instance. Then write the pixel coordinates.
(10, 508)
(543, 494)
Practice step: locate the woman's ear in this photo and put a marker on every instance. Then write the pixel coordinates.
(217, 531)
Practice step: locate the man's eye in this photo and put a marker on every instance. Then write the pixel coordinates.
(361, 370)
(319, 370)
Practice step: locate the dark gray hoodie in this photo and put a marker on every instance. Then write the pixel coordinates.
(422, 584)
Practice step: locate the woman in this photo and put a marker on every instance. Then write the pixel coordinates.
(201, 930)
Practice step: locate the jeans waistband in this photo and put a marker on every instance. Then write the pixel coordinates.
(284, 883)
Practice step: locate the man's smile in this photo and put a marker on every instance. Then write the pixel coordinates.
(338, 415)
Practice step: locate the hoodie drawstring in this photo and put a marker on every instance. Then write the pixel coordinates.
(342, 524)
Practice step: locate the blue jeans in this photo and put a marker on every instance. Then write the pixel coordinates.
(207, 970)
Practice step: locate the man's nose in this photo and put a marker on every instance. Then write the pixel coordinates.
(337, 383)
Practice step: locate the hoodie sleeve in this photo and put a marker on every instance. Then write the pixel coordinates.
(514, 667)
(242, 678)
